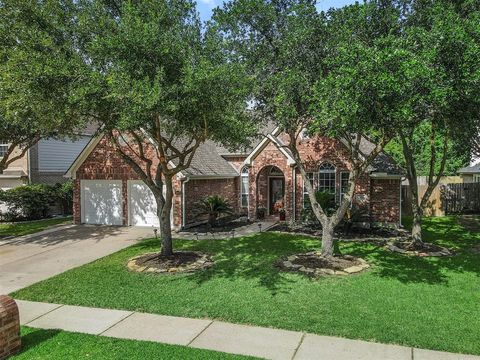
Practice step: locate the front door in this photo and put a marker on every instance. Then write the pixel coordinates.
(276, 194)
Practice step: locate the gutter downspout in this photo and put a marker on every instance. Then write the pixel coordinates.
(294, 193)
(29, 166)
(184, 211)
(400, 199)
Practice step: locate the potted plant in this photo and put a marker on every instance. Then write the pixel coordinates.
(261, 212)
(282, 213)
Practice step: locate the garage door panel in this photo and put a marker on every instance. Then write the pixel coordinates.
(142, 205)
(102, 202)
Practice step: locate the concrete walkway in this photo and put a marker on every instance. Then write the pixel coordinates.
(215, 335)
(28, 259)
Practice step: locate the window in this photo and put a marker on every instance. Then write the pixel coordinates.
(326, 178)
(476, 178)
(275, 171)
(306, 200)
(344, 177)
(244, 187)
(3, 149)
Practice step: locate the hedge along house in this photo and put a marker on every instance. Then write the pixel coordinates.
(107, 191)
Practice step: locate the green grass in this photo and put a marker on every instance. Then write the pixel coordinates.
(30, 227)
(63, 345)
(423, 302)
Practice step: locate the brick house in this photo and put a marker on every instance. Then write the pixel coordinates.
(108, 191)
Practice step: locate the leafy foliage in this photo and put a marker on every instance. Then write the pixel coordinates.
(213, 206)
(33, 202)
(458, 154)
(37, 61)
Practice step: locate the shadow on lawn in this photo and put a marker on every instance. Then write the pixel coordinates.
(36, 337)
(253, 257)
(446, 232)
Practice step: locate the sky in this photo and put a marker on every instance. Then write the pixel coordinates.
(205, 7)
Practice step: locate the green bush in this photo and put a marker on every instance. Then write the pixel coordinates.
(64, 193)
(33, 202)
(213, 206)
(327, 202)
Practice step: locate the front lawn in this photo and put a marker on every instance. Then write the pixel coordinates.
(30, 227)
(422, 302)
(55, 344)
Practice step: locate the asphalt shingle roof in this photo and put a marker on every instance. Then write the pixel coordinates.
(470, 169)
(209, 158)
(208, 162)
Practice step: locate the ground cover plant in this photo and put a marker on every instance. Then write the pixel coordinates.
(416, 301)
(63, 345)
(30, 227)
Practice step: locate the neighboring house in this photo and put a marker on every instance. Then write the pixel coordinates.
(45, 162)
(17, 172)
(470, 174)
(108, 191)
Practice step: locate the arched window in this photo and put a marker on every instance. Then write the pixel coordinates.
(326, 178)
(275, 171)
(244, 186)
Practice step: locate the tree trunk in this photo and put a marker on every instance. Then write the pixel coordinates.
(327, 240)
(164, 213)
(417, 225)
(166, 233)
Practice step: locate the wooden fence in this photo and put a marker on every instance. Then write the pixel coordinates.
(446, 199)
(461, 198)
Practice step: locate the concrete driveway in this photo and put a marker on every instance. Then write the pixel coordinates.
(29, 259)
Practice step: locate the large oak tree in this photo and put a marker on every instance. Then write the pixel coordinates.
(155, 79)
(32, 74)
(292, 51)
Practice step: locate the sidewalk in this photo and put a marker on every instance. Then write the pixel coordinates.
(215, 335)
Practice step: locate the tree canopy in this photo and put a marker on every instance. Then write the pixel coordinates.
(34, 80)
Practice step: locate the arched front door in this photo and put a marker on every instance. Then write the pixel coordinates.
(276, 190)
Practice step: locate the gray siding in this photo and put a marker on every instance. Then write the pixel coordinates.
(58, 155)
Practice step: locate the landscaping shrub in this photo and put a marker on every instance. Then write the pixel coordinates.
(64, 194)
(213, 206)
(33, 202)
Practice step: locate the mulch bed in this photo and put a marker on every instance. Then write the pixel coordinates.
(408, 247)
(179, 262)
(312, 264)
(222, 227)
(373, 234)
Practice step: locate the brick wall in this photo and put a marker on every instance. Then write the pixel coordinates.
(104, 163)
(198, 189)
(258, 175)
(385, 200)
(10, 342)
(380, 198)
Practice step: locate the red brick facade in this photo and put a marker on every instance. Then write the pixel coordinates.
(10, 342)
(379, 196)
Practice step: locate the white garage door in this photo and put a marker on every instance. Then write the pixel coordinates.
(142, 207)
(102, 202)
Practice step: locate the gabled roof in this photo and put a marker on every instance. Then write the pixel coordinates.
(210, 161)
(207, 162)
(474, 169)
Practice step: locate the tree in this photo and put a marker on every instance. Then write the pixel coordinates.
(293, 53)
(152, 75)
(26, 114)
(444, 35)
(458, 156)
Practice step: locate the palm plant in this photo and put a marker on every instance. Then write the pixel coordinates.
(213, 206)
